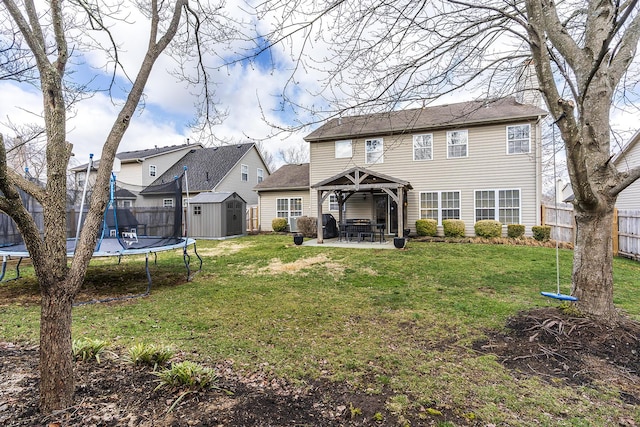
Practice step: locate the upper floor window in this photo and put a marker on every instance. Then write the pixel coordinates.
(343, 149)
(152, 170)
(518, 139)
(244, 171)
(422, 147)
(260, 174)
(457, 143)
(374, 151)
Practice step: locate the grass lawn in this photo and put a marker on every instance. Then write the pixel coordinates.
(403, 320)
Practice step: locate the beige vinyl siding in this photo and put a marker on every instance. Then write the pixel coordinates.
(267, 205)
(233, 181)
(629, 198)
(486, 167)
(162, 163)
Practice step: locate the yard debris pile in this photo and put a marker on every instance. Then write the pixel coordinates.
(557, 346)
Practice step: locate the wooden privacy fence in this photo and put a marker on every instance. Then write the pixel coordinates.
(252, 219)
(625, 232)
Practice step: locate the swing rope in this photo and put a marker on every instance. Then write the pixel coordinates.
(557, 295)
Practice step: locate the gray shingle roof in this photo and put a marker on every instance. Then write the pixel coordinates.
(211, 197)
(419, 119)
(206, 167)
(129, 156)
(288, 177)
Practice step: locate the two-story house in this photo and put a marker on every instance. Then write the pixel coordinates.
(469, 161)
(138, 169)
(228, 168)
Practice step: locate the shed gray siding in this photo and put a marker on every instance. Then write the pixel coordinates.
(213, 220)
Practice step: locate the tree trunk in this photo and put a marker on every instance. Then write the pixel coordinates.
(56, 360)
(593, 264)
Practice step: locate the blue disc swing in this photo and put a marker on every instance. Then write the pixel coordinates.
(557, 295)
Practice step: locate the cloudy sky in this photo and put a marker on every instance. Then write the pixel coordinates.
(246, 91)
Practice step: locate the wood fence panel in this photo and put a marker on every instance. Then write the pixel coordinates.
(629, 233)
(561, 222)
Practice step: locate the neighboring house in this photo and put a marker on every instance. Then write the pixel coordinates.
(284, 194)
(470, 161)
(228, 168)
(138, 169)
(627, 158)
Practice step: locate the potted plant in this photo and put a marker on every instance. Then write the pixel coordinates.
(399, 242)
(297, 239)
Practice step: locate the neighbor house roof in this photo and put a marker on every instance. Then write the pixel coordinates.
(422, 119)
(140, 155)
(288, 177)
(205, 167)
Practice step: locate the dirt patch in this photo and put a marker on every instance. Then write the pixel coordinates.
(571, 350)
(224, 248)
(276, 266)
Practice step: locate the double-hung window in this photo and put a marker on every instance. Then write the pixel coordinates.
(260, 174)
(499, 205)
(423, 147)
(244, 173)
(291, 209)
(152, 170)
(440, 205)
(343, 149)
(518, 139)
(457, 144)
(374, 151)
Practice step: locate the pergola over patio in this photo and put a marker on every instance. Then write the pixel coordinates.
(355, 180)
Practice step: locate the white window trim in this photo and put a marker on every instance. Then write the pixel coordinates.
(380, 158)
(167, 205)
(153, 168)
(350, 142)
(292, 224)
(440, 202)
(430, 146)
(467, 144)
(507, 139)
(259, 175)
(496, 208)
(244, 168)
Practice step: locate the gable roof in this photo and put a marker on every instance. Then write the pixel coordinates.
(211, 197)
(627, 148)
(422, 119)
(288, 177)
(140, 155)
(357, 178)
(206, 167)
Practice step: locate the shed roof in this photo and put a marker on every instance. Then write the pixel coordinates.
(205, 167)
(422, 119)
(214, 197)
(288, 177)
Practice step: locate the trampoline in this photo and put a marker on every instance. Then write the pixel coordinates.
(118, 235)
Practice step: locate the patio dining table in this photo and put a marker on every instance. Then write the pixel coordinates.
(361, 229)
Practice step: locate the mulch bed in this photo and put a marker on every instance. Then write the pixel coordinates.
(548, 343)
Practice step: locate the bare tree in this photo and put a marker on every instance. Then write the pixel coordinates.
(383, 53)
(294, 155)
(41, 39)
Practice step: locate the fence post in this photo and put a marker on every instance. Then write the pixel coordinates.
(543, 214)
(614, 233)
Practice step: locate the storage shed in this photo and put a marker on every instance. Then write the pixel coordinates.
(217, 215)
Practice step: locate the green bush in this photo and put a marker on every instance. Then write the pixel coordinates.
(488, 228)
(308, 226)
(86, 349)
(541, 233)
(426, 227)
(279, 224)
(149, 354)
(453, 227)
(515, 231)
